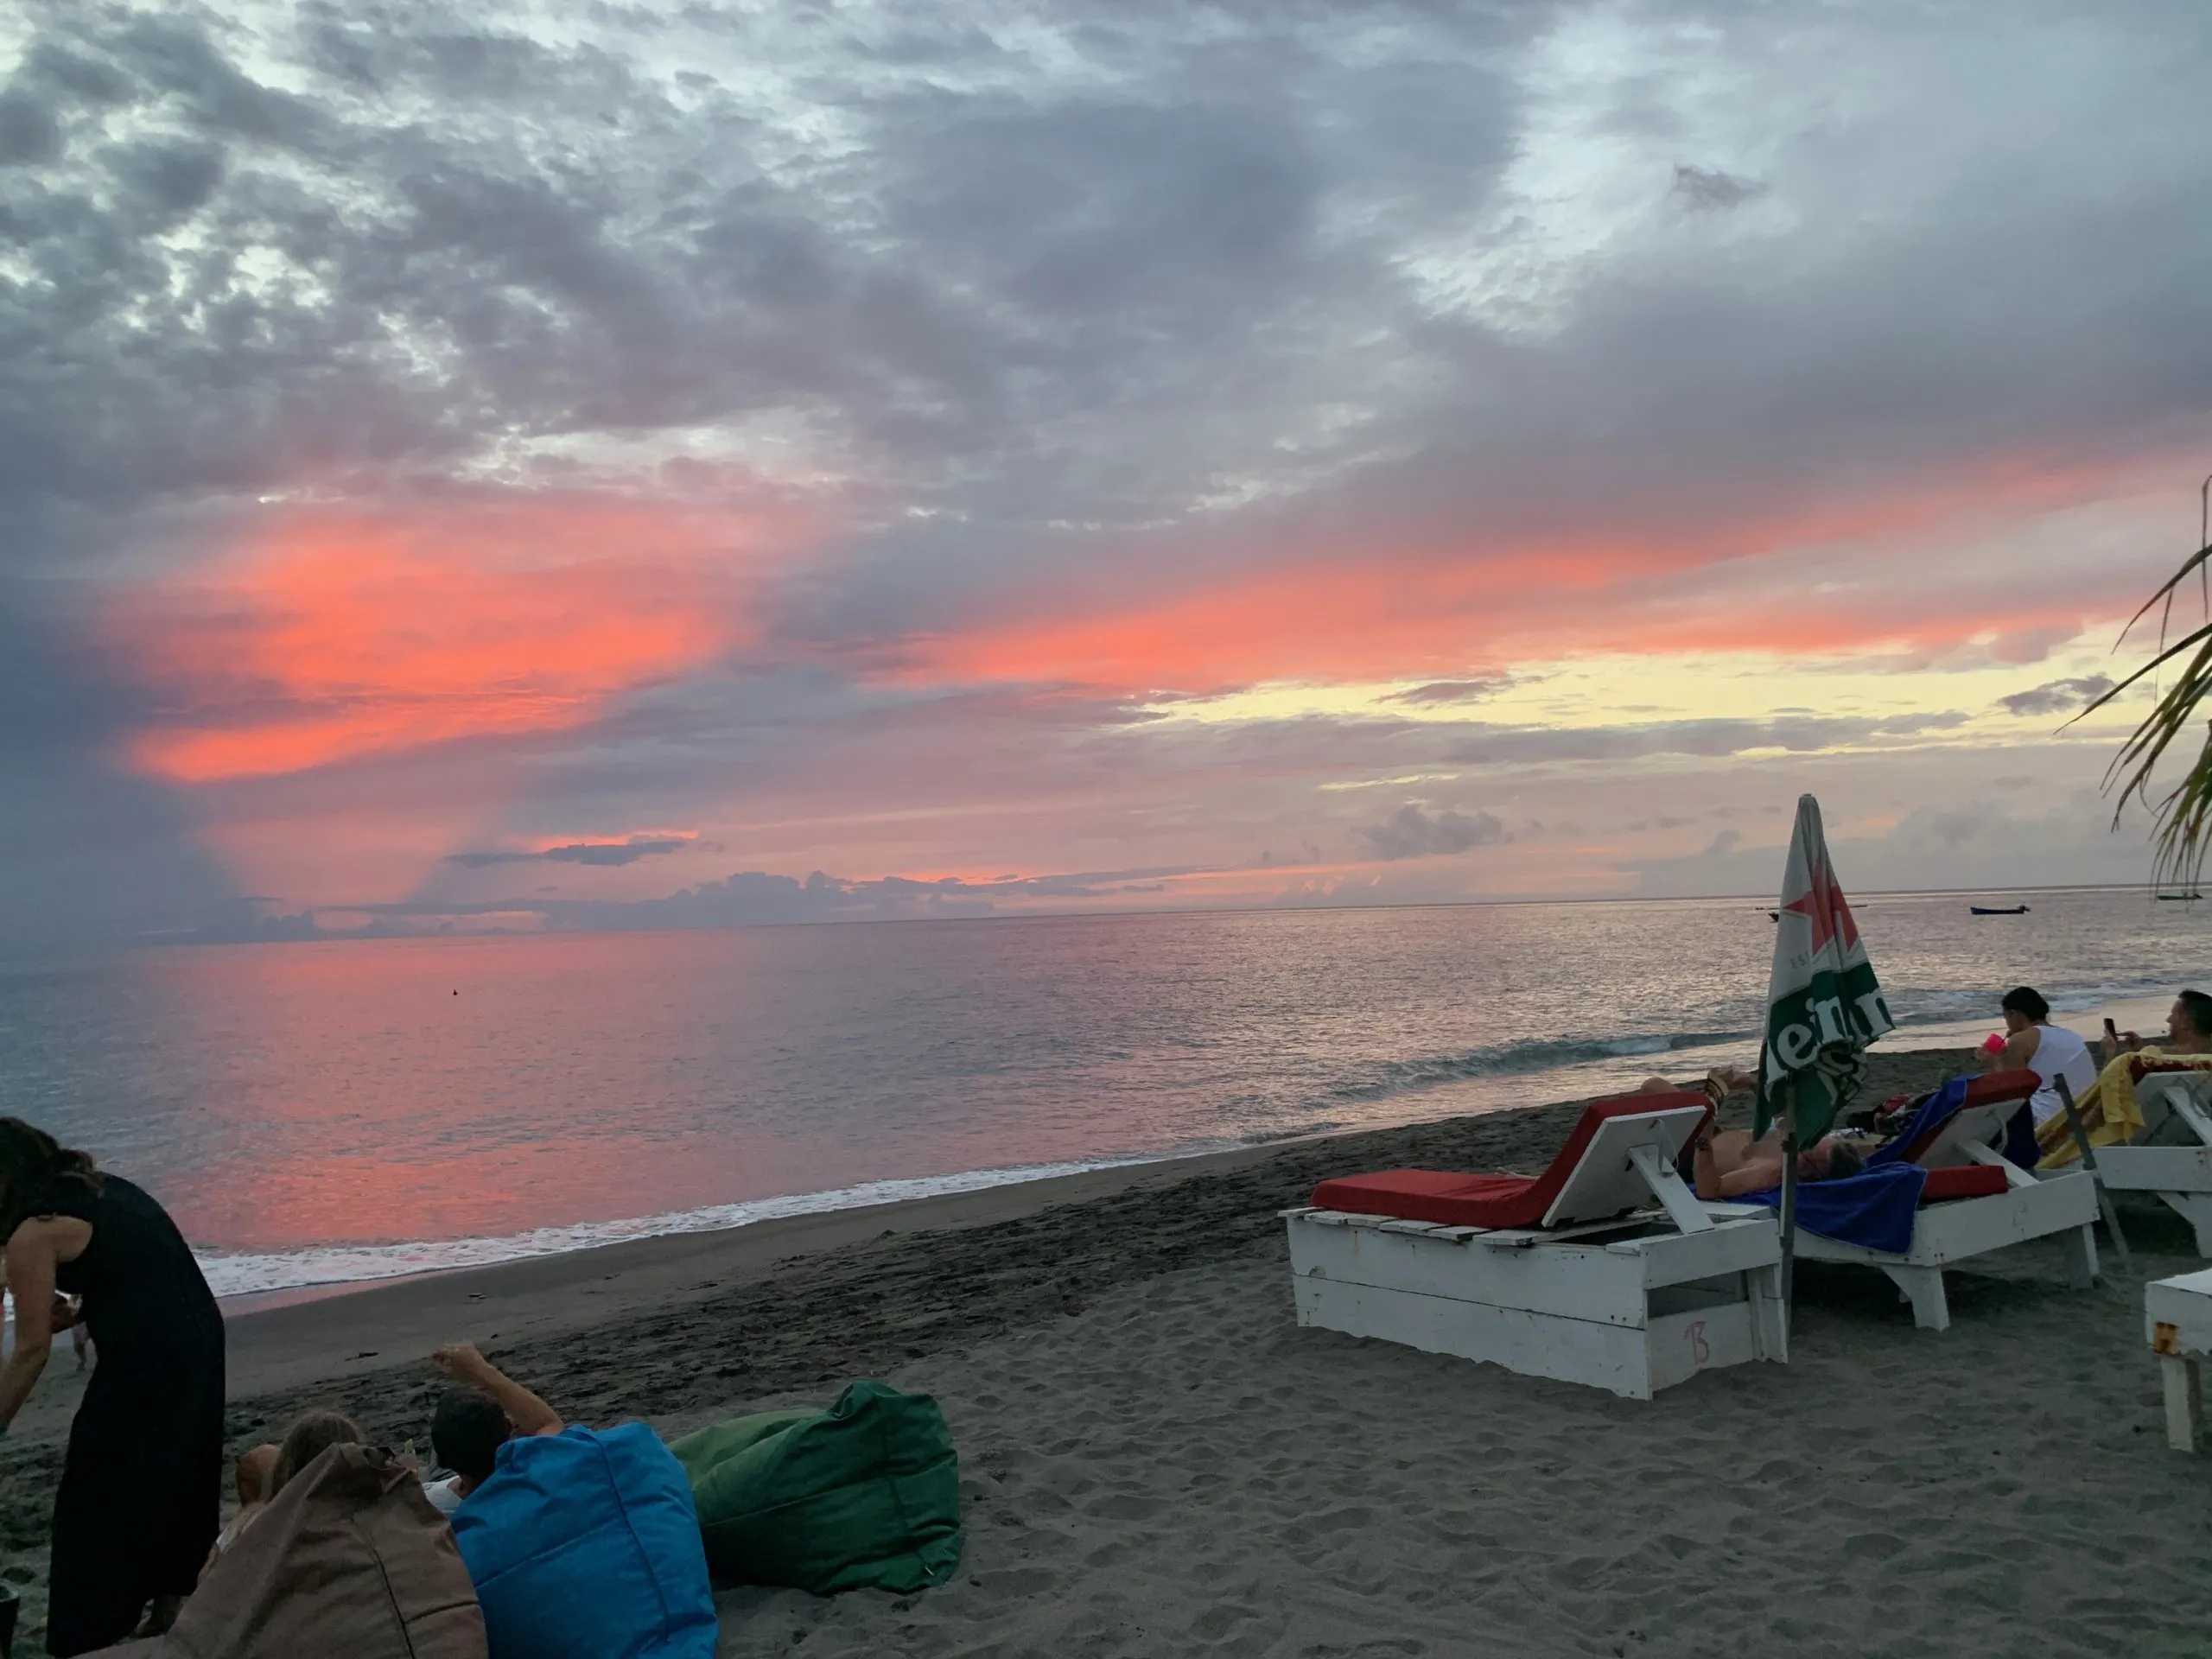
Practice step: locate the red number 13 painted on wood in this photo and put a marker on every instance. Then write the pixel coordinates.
(1700, 1349)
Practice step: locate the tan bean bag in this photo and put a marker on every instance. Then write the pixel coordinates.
(350, 1560)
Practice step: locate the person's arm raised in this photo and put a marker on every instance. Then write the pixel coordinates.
(530, 1414)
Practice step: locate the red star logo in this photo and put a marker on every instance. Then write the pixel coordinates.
(1825, 908)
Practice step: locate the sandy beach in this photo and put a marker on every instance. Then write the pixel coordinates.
(1156, 1459)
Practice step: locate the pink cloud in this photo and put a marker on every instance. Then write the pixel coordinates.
(329, 636)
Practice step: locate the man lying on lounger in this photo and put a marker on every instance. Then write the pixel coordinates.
(1731, 1163)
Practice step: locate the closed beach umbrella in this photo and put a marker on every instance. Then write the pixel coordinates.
(1824, 1008)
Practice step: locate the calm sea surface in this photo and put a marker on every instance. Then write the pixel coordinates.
(333, 1112)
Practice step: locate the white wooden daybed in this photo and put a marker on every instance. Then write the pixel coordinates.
(1606, 1270)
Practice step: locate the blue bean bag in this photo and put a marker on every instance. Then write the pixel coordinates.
(585, 1545)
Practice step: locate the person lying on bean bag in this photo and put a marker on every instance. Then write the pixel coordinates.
(346, 1558)
(583, 1543)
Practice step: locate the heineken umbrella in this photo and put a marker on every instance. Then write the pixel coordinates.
(1822, 1009)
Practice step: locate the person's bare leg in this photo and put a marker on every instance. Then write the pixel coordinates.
(255, 1466)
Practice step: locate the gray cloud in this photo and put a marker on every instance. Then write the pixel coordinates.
(1087, 301)
(601, 852)
(1455, 691)
(1982, 845)
(1411, 833)
(1499, 746)
(2056, 697)
(753, 896)
(748, 898)
(992, 266)
(86, 851)
(1710, 190)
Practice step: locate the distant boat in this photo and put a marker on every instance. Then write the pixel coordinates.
(1995, 909)
(2180, 898)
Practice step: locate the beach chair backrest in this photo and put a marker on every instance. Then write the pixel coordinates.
(1989, 1104)
(1604, 1180)
(2176, 1108)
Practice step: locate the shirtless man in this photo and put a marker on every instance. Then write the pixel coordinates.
(1730, 1163)
(2189, 1030)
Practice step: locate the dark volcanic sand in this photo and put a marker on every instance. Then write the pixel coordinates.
(813, 1321)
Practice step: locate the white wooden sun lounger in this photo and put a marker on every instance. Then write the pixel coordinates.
(2177, 1320)
(2171, 1155)
(1953, 1230)
(1624, 1281)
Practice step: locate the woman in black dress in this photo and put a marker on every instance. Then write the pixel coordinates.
(141, 1488)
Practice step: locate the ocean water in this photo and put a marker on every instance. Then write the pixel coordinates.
(335, 1111)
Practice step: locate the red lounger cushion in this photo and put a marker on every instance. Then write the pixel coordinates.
(1992, 1090)
(1964, 1181)
(1437, 1195)
(1456, 1200)
(2001, 1086)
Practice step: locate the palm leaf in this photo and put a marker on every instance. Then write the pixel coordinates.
(2183, 813)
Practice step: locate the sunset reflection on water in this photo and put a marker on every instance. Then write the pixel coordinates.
(292, 1097)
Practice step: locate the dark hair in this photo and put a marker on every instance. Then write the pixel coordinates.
(468, 1431)
(2198, 1007)
(31, 1163)
(1843, 1162)
(314, 1434)
(2025, 999)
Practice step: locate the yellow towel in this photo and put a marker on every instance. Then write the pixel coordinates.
(2108, 1108)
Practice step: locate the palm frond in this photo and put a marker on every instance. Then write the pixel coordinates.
(2183, 813)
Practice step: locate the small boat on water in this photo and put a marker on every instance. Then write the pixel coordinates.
(1997, 910)
(2180, 898)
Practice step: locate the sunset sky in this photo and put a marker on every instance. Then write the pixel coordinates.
(517, 465)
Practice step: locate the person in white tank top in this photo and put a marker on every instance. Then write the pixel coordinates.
(2050, 1051)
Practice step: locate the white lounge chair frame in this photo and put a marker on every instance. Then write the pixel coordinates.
(1632, 1283)
(2171, 1155)
(2177, 1322)
(1957, 1230)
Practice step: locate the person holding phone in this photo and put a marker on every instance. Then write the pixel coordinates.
(2189, 1031)
(2115, 1045)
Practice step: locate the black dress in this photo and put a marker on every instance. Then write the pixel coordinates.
(142, 1490)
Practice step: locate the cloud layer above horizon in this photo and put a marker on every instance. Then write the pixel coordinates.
(533, 465)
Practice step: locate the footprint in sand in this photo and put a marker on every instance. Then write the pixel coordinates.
(1126, 1506)
(1219, 1620)
(1872, 1545)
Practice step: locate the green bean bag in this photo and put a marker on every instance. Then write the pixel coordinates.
(863, 1496)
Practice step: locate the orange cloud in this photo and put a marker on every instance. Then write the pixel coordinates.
(1387, 610)
(329, 636)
